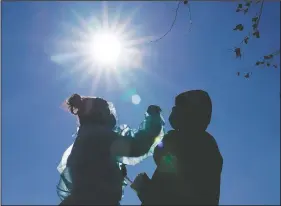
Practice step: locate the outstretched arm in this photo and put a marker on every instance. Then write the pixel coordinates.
(137, 143)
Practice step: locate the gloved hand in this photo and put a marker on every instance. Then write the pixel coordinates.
(153, 109)
(140, 181)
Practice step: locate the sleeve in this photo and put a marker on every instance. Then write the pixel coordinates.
(132, 146)
(65, 182)
(164, 147)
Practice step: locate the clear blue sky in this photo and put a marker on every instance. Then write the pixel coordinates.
(246, 113)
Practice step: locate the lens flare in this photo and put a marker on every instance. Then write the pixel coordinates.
(136, 99)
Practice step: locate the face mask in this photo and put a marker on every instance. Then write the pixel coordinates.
(174, 118)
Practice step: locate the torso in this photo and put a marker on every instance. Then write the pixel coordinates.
(94, 170)
(191, 171)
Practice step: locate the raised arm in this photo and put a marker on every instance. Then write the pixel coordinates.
(130, 143)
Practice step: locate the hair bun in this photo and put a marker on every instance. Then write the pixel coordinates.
(75, 101)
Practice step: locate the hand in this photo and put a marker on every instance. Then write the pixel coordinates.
(140, 181)
(124, 170)
(153, 109)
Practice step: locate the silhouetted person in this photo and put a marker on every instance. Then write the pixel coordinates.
(93, 175)
(189, 163)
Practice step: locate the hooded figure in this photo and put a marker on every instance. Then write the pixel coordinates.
(91, 169)
(188, 160)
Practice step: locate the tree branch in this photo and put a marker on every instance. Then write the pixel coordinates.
(260, 13)
(171, 27)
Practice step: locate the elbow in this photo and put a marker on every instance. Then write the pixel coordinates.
(139, 151)
(141, 148)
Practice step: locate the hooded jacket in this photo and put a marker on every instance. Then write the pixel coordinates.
(189, 163)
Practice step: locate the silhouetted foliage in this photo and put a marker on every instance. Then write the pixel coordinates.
(238, 52)
(247, 75)
(242, 7)
(266, 60)
(239, 27)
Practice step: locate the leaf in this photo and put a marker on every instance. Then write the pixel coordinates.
(258, 63)
(238, 10)
(268, 57)
(256, 34)
(247, 75)
(239, 27)
(237, 52)
(275, 66)
(255, 26)
(246, 39)
(255, 19)
(248, 4)
(246, 10)
(240, 6)
(268, 64)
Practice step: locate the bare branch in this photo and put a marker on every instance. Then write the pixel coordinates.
(190, 19)
(171, 27)
(260, 13)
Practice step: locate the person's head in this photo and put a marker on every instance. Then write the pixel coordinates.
(92, 110)
(192, 111)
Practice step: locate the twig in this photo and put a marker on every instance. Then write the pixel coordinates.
(276, 52)
(190, 21)
(258, 21)
(260, 13)
(171, 27)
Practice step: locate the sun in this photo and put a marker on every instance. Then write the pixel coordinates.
(106, 48)
(101, 49)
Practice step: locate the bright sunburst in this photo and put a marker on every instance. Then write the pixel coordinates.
(106, 48)
(97, 47)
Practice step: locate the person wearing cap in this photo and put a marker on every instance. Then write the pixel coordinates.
(92, 173)
(189, 163)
